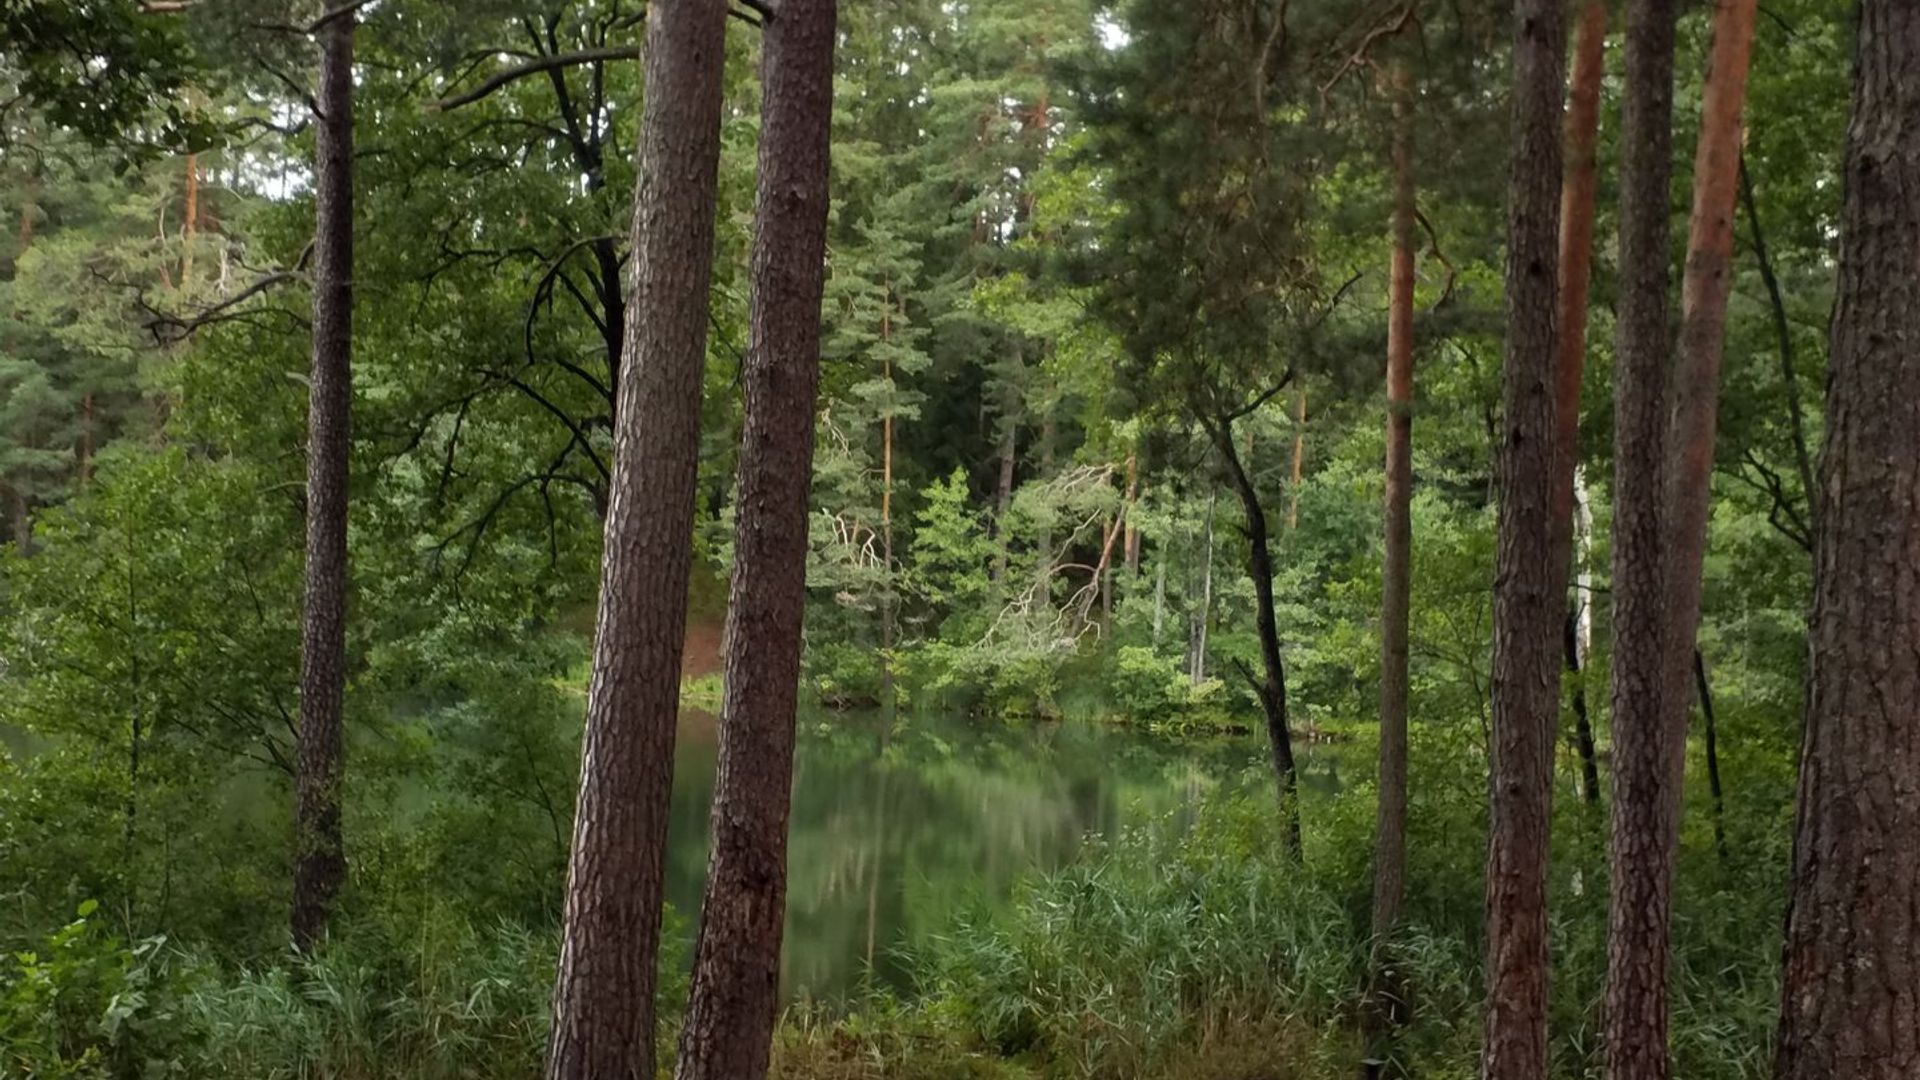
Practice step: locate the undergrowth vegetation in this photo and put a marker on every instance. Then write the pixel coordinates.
(1203, 953)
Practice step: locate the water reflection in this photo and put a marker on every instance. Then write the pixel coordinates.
(894, 833)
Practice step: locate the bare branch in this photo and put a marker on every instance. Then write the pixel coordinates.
(535, 67)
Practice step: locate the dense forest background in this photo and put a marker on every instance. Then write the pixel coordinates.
(1104, 348)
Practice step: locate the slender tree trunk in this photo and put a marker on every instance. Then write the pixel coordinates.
(191, 225)
(1576, 259)
(1197, 621)
(1789, 378)
(1696, 378)
(1711, 730)
(1850, 994)
(1582, 720)
(320, 865)
(1396, 574)
(1159, 595)
(1130, 544)
(736, 971)
(1270, 686)
(1529, 585)
(603, 1005)
(83, 466)
(887, 598)
(1003, 498)
(1577, 188)
(1299, 456)
(1636, 1015)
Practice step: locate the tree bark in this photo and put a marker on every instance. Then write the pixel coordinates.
(1271, 685)
(1529, 587)
(320, 865)
(1577, 189)
(603, 1007)
(1390, 834)
(1696, 375)
(1639, 902)
(1576, 259)
(1850, 994)
(887, 597)
(730, 1011)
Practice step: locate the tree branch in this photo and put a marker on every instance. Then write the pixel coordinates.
(535, 67)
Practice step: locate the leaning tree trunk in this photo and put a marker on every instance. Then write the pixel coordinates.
(1270, 686)
(1696, 375)
(1529, 586)
(603, 1007)
(1636, 1017)
(736, 971)
(1396, 572)
(320, 865)
(1576, 272)
(1850, 994)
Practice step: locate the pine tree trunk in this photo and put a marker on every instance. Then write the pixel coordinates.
(1577, 190)
(1528, 585)
(603, 1006)
(1696, 374)
(191, 225)
(1003, 498)
(1636, 1017)
(1390, 840)
(320, 865)
(1850, 994)
(736, 972)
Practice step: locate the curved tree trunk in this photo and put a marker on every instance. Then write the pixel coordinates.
(1529, 588)
(320, 865)
(603, 1007)
(1636, 1019)
(736, 971)
(1850, 995)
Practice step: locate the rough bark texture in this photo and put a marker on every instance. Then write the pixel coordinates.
(603, 1008)
(1636, 1017)
(1850, 998)
(1396, 574)
(320, 865)
(730, 1012)
(1528, 588)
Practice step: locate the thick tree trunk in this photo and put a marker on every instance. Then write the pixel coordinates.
(1850, 994)
(1636, 1016)
(603, 1007)
(320, 865)
(1270, 686)
(1396, 574)
(1528, 583)
(736, 972)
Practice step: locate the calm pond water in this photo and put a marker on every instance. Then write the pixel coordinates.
(894, 834)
